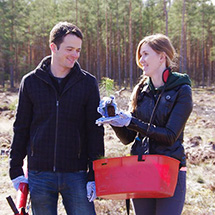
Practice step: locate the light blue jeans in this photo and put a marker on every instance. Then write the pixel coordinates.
(45, 187)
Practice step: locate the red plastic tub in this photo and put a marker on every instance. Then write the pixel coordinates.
(126, 177)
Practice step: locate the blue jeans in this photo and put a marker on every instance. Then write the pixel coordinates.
(163, 206)
(44, 189)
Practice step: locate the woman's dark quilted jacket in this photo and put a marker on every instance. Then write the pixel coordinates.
(167, 129)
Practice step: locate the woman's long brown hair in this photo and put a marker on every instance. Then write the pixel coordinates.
(159, 43)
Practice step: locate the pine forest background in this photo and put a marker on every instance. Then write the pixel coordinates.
(112, 30)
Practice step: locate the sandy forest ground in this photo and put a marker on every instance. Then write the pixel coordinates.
(199, 145)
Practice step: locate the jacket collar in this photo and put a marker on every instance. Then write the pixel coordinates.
(42, 72)
(173, 79)
(146, 86)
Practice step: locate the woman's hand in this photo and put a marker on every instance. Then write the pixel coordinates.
(107, 107)
(120, 120)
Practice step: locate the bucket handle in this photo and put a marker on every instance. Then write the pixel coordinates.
(105, 163)
(144, 149)
(141, 157)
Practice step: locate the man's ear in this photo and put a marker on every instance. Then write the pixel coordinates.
(53, 47)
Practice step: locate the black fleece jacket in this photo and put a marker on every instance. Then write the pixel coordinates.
(56, 131)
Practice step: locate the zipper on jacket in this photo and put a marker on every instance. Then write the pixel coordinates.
(56, 134)
(56, 129)
(79, 147)
(32, 143)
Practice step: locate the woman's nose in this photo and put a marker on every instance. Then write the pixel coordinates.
(141, 60)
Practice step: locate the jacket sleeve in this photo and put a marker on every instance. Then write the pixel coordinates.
(125, 135)
(95, 133)
(21, 129)
(169, 134)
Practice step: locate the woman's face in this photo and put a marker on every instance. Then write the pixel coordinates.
(149, 60)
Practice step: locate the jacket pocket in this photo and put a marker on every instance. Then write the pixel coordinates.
(33, 140)
(167, 104)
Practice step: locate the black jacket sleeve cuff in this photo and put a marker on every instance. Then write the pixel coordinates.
(138, 126)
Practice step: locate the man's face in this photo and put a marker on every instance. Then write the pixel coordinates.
(68, 52)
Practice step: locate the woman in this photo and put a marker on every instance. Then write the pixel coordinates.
(160, 106)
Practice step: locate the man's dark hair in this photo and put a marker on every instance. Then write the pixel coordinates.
(60, 30)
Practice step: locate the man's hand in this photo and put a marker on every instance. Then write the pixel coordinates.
(91, 191)
(20, 179)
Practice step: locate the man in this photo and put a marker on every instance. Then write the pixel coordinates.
(55, 127)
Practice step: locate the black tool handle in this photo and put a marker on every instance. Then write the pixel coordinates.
(12, 205)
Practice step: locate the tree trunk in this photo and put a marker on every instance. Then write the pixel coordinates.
(203, 55)
(11, 61)
(125, 54)
(195, 61)
(87, 42)
(106, 23)
(118, 49)
(110, 48)
(76, 12)
(114, 55)
(130, 46)
(166, 16)
(98, 43)
(11, 66)
(210, 61)
(185, 50)
(182, 38)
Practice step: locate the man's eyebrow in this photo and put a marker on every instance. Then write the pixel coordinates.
(71, 47)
